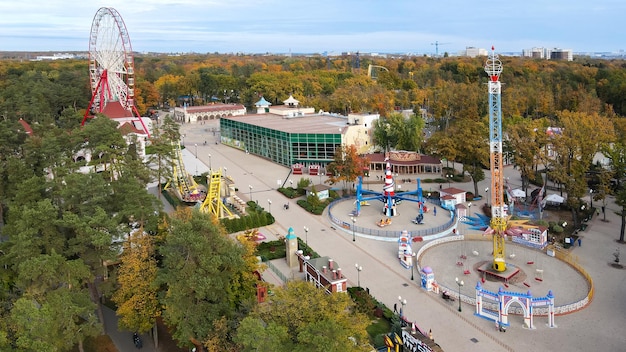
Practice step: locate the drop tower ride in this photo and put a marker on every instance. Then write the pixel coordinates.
(493, 67)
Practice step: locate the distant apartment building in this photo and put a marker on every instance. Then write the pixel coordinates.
(471, 51)
(57, 56)
(549, 54)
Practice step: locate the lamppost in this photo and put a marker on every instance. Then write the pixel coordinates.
(591, 197)
(321, 174)
(449, 177)
(269, 206)
(469, 205)
(413, 256)
(403, 303)
(487, 192)
(196, 148)
(460, 283)
(306, 237)
(358, 274)
(291, 183)
(250, 187)
(353, 225)
(210, 168)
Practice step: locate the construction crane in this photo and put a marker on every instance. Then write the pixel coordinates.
(493, 67)
(436, 44)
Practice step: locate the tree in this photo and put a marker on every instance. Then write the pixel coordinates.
(136, 295)
(164, 142)
(205, 275)
(347, 165)
(397, 132)
(322, 321)
(582, 136)
(526, 139)
(55, 311)
(474, 148)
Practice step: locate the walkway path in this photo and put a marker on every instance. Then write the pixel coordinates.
(598, 327)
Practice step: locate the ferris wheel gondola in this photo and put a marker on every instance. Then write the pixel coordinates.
(111, 65)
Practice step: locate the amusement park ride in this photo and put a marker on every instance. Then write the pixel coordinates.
(389, 198)
(111, 69)
(498, 225)
(187, 189)
(184, 186)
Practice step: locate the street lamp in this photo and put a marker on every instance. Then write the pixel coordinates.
(321, 174)
(487, 192)
(353, 225)
(460, 283)
(196, 148)
(403, 303)
(250, 187)
(358, 274)
(591, 197)
(306, 237)
(469, 205)
(210, 168)
(291, 183)
(269, 206)
(413, 256)
(449, 177)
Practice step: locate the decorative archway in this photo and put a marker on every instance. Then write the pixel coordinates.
(499, 310)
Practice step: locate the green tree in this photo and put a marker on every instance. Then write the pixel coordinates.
(163, 144)
(205, 275)
(322, 321)
(55, 311)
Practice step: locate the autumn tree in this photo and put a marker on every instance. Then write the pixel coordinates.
(582, 136)
(288, 322)
(347, 165)
(526, 139)
(136, 294)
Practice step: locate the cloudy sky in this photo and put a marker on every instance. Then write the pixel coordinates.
(282, 26)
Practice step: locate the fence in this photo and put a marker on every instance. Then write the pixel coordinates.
(387, 233)
(276, 271)
(560, 254)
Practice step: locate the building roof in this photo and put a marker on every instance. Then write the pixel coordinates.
(26, 126)
(422, 159)
(262, 102)
(213, 107)
(315, 123)
(114, 109)
(291, 101)
(127, 127)
(452, 190)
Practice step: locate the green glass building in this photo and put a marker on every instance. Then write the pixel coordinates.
(285, 140)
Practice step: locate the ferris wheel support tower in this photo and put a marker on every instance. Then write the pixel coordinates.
(493, 67)
(111, 66)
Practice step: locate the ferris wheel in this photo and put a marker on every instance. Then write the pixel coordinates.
(111, 64)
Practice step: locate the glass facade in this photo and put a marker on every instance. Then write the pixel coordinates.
(281, 147)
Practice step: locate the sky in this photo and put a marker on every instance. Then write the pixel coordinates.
(318, 26)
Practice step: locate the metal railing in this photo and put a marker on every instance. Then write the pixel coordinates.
(388, 233)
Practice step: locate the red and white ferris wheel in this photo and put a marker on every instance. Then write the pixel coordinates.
(111, 64)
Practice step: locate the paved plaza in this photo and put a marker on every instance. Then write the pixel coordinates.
(599, 326)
